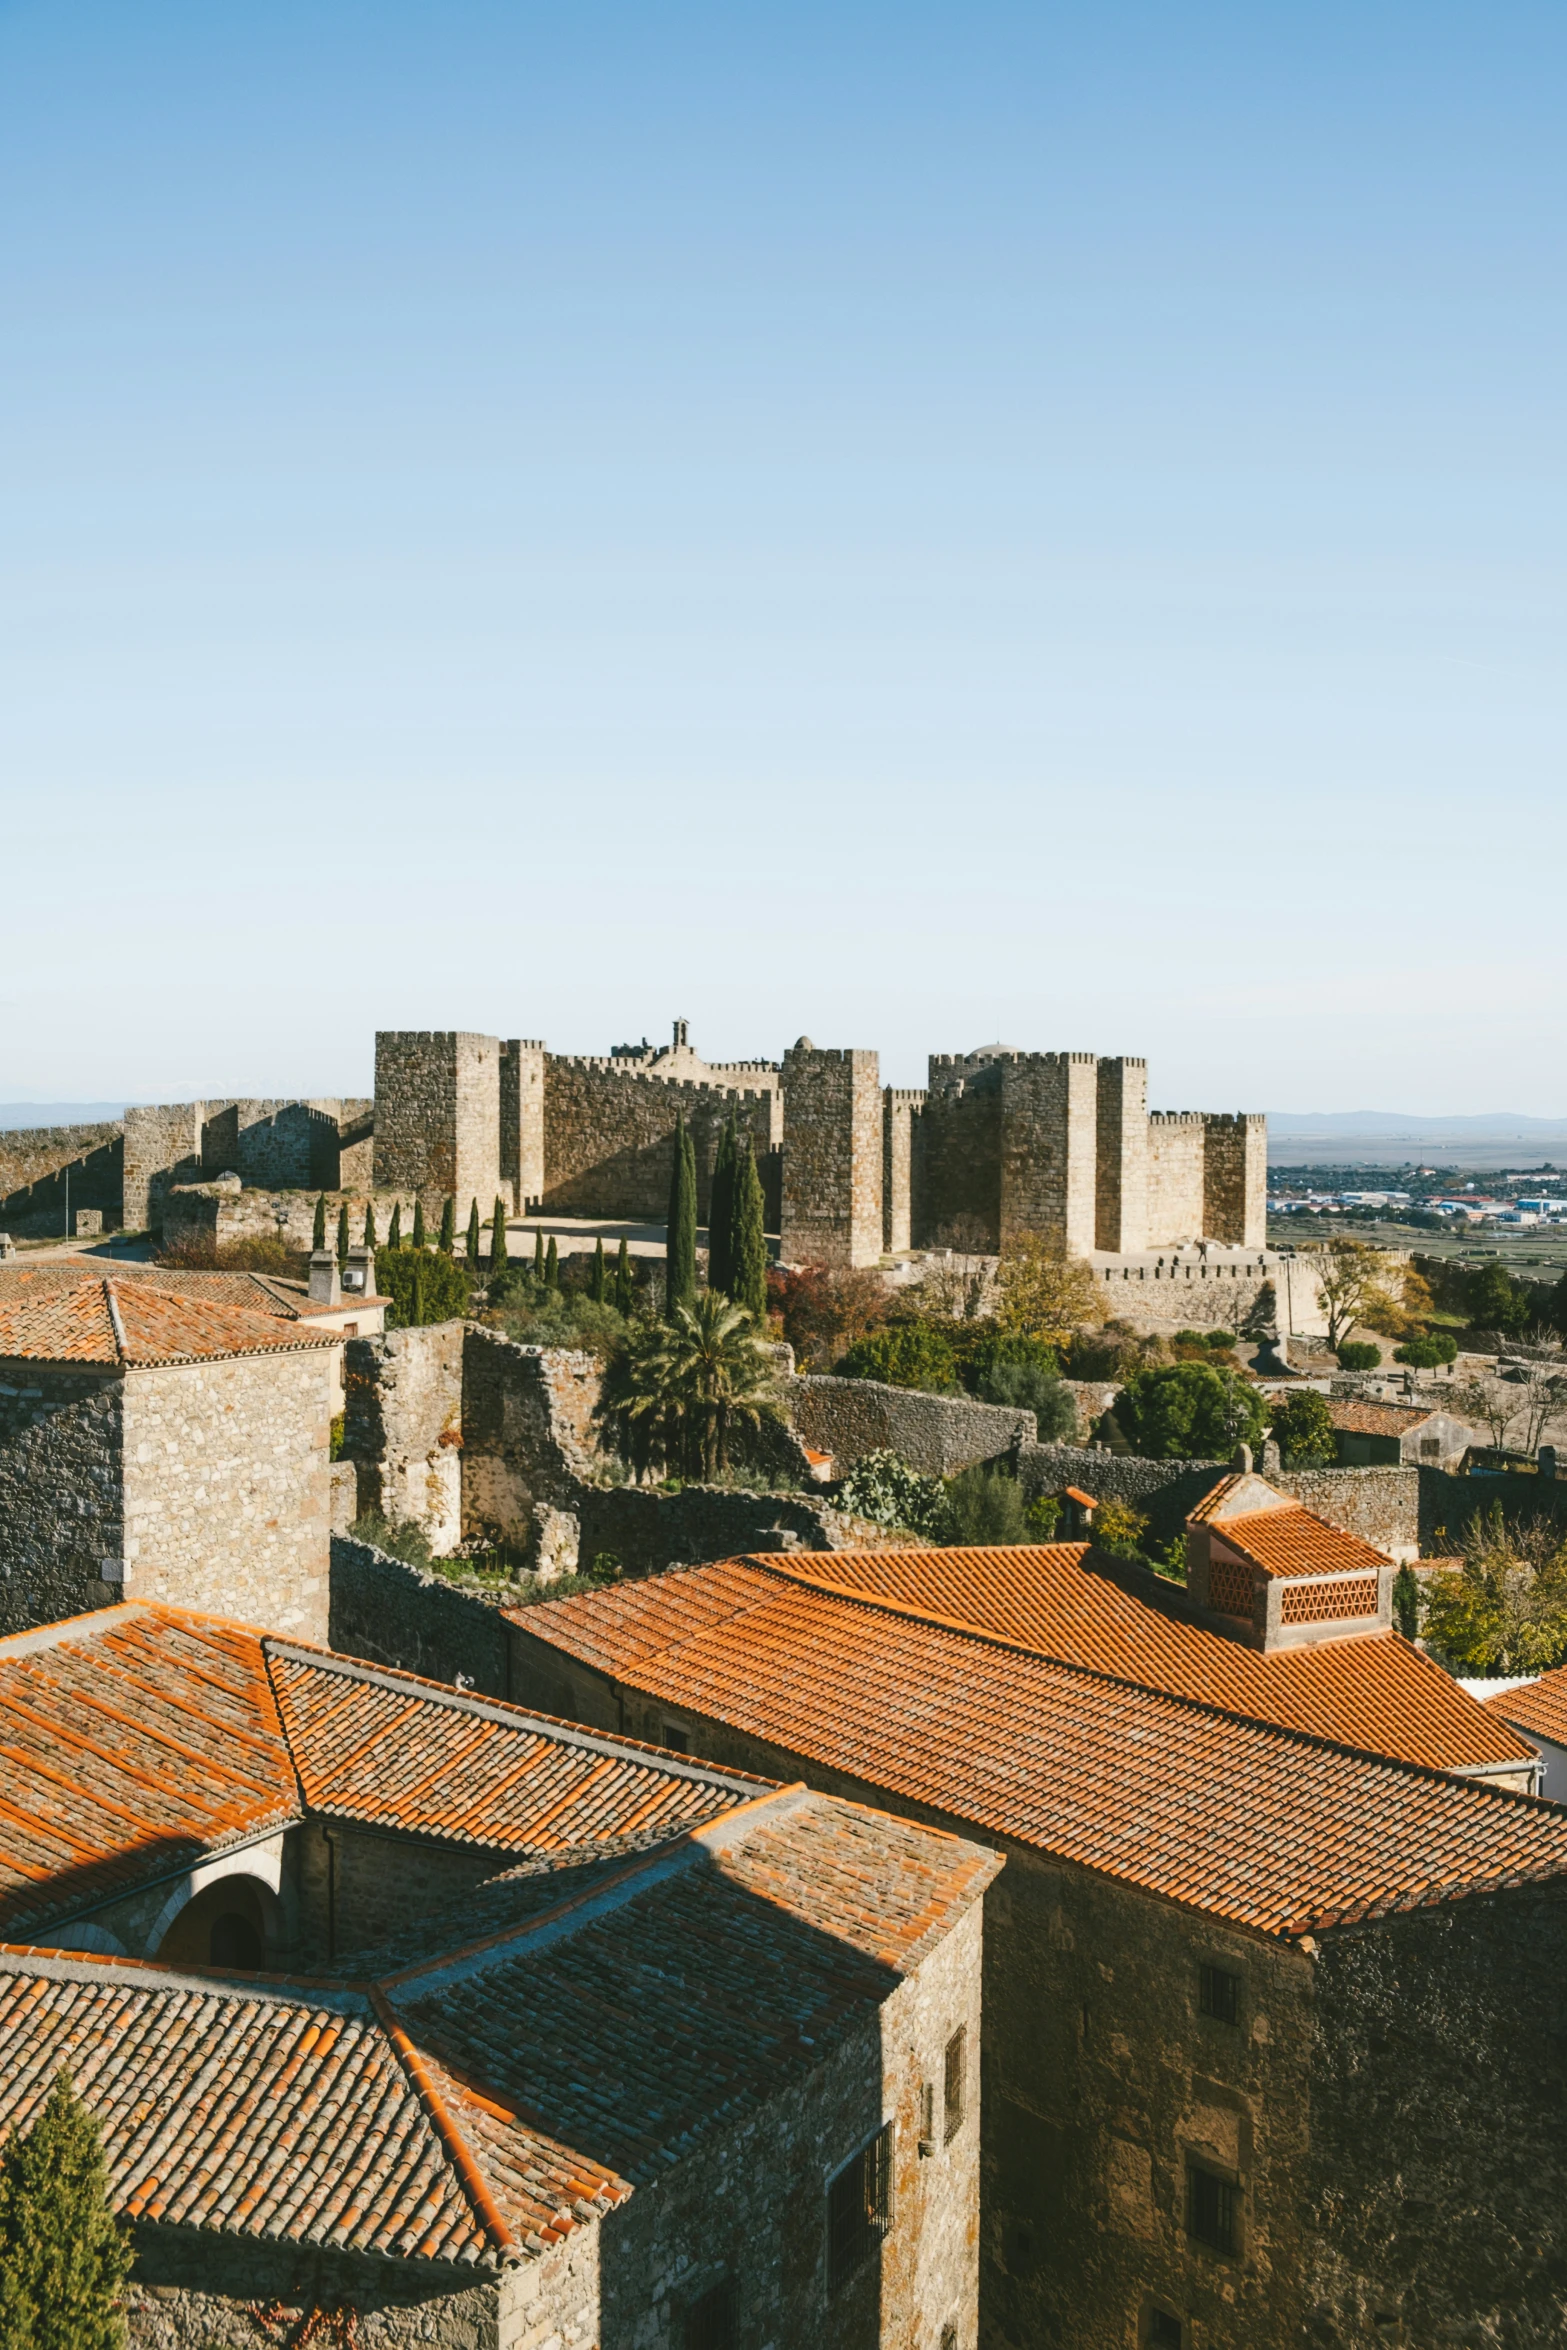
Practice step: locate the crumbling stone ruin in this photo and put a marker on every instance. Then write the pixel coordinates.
(998, 1143)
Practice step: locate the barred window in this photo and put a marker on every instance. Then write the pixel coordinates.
(1164, 2331)
(955, 2082)
(1219, 1994)
(859, 2207)
(676, 1737)
(1212, 2208)
(710, 2319)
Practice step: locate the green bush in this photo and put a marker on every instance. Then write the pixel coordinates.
(1221, 1338)
(903, 1354)
(1303, 1430)
(1358, 1354)
(335, 1447)
(984, 1508)
(1406, 1602)
(1427, 1352)
(1493, 1300)
(423, 1286)
(1189, 1411)
(1043, 1516)
(882, 1487)
(1028, 1388)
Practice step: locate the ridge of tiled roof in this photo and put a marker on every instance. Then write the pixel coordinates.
(1356, 1416)
(1275, 1829)
(1295, 1541)
(1541, 1707)
(1241, 1491)
(101, 1319)
(1066, 1602)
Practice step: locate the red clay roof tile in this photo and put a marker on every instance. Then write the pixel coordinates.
(101, 1319)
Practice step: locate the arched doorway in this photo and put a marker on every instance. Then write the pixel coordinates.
(223, 1925)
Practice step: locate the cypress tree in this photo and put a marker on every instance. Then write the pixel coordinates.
(394, 1235)
(599, 1287)
(473, 1234)
(497, 1235)
(342, 1234)
(538, 1256)
(720, 1213)
(449, 1227)
(750, 1268)
(419, 1240)
(624, 1291)
(63, 2260)
(416, 1307)
(680, 1234)
(552, 1265)
(370, 1240)
(318, 1229)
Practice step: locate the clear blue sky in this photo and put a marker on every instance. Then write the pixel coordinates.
(917, 524)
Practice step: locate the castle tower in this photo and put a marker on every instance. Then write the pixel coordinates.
(900, 1120)
(832, 1157)
(438, 1114)
(1121, 1214)
(1049, 1152)
(522, 1121)
(1235, 1179)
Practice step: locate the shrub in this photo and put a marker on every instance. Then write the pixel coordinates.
(540, 1317)
(63, 2260)
(882, 1487)
(825, 1309)
(903, 1354)
(1427, 1352)
(1045, 1292)
(407, 1541)
(1303, 1430)
(1358, 1354)
(1043, 1516)
(1221, 1338)
(335, 1435)
(422, 1285)
(981, 1347)
(1406, 1602)
(1189, 1412)
(984, 1508)
(1029, 1388)
(1505, 1610)
(1119, 1529)
(257, 1252)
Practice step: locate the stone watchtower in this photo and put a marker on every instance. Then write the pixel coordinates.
(832, 1157)
(438, 1115)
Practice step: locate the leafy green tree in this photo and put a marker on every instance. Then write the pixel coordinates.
(680, 1235)
(1493, 1300)
(1189, 1411)
(318, 1228)
(903, 1354)
(1406, 1602)
(1427, 1352)
(882, 1487)
(1356, 1354)
(422, 1285)
(394, 1235)
(419, 1239)
(497, 1235)
(1303, 1430)
(63, 2258)
(552, 1268)
(598, 1286)
(369, 1235)
(343, 1241)
(682, 1387)
(984, 1509)
(472, 1250)
(448, 1240)
(1505, 1609)
(1028, 1387)
(721, 1213)
(625, 1289)
(748, 1252)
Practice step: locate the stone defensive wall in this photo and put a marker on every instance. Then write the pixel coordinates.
(609, 1131)
(275, 1145)
(936, 1434)
(35, 1162)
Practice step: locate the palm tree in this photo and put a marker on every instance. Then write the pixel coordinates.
(683, 1386)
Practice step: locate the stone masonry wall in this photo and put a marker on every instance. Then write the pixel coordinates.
(1188, 1290)
(62, 1527)
(285, 1145)
(162, 1146)
(393, 1614)
(936, 1434)
(901, 1111)
(35, 1162)
(196, 2289)
(227, 1487)
(522, 1122)
(1121, 1209)
(832, 1167)
(1381, 1505)
(609, 1135)
(402, 1427)
(527, 1430)
(438, 1115)
(1176, 1177)
(1235, 1179)
(223, 1214)
(1049, 1148)
(957, 1187)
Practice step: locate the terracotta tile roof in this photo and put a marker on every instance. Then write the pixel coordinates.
(1264, 1826)
(1294, 1541)
(100, 1318)
(1542, 1707)
(1069, 1602)
(447, 2113)
(132, 1741)
(1377, 1419)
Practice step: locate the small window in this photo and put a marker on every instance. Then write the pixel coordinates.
(928, 2118)
(677, 1738)
(949, 2338)
(1219, 1994)
(1164, 2331)
(1212, 2208)
(710, 2319)
(1430, 1448)
(859, 2207)
(955, 2082)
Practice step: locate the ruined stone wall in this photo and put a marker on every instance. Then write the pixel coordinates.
(522, 1121)
(1235, 1179)
(162, 1146)
(392, 1614)
(1177, 1159)
(228, 1488)
(609, 1136)
(196, 2289)
(832, 1166)
(936, 1434)
(356, 1146)
(1049, 1147)
(402, 1427)
(62, 1525)
(901, 1111)
(41, 1165)
(958, 1191)
(279, 1145)
(438, 1115)
(1121, 1200)
(527, 1431)
(1381, 1505)
(646, 1531)
(222, 1214)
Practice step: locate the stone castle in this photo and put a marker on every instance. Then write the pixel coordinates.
(999, 1143)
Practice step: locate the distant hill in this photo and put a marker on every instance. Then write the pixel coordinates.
(14, 1114)
(1396, 1125)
